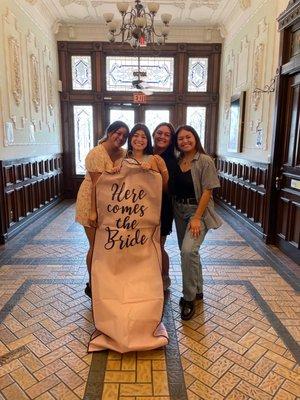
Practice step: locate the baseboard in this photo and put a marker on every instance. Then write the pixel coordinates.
(19, 226)
(251, 225)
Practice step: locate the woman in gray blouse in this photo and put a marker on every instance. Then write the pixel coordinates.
(194, 180)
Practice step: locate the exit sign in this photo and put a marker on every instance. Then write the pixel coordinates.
(139, 98)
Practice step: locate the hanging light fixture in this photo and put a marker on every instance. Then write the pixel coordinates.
(137, 26)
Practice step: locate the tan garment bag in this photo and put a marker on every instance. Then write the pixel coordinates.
(127, 287)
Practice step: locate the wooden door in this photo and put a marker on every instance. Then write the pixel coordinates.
(287, 181)
(283, 194)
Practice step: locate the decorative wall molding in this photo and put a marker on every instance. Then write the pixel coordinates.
(49, 82)
(96, 32)
(29, 101)
(15, 100)
(235, 27)
(242, 64)
(290, 15)
(35, 82)
(15, 70)
(229, 76)
(35, 89)
(258, 79)
(244, 4)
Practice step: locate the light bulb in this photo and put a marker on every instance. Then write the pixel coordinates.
(112, 26)
(140, 22)
(108, 17)
(122, 6)
(166, 18)
(153, 7)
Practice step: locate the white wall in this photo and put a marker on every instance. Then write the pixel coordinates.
(250, 60)
(29, 101)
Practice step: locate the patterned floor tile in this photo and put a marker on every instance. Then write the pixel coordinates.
(241, 344)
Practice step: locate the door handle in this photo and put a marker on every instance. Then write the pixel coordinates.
(278, 182)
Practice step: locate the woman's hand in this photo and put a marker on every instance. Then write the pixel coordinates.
(146, 166)
(116, 170)
(93, 223)
(195, 226)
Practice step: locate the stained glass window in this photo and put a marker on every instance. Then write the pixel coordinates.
(157, 73)
(196, 117)
(84, 134)
(124, 115)
(197, 78)
(155, 117)
(81, 73)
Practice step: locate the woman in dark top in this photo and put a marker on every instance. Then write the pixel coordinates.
(164, 143)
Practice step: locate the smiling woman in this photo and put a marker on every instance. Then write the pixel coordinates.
(101, 158)
(195, 179)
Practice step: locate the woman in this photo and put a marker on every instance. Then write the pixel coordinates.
(140, 148)
(195, 179)
(126, 272)
(100, 158)
(164, 143)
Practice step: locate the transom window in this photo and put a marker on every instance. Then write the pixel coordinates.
(121, 71)
(81, 73)
(197, 78)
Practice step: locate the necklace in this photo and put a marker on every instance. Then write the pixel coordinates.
(187, 161)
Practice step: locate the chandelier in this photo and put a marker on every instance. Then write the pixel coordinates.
(137, 27)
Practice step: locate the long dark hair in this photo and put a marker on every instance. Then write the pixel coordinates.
(170, 150)
(199, 148)
(112, 128)
(140, 127)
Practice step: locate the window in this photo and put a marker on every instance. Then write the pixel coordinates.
(121, 71)
(124, 115)
(81, 73)
(155, 117)
(196, 117)
(197, 75)
(83, 135)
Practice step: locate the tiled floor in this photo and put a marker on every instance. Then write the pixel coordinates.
(242, 343)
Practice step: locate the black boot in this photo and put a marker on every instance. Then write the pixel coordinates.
(88, 290)
(199, 296)
(187, 310)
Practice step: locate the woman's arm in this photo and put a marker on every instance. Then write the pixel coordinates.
(163, 170)
(195, 221)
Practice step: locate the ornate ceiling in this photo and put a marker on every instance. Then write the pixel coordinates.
(185, 12)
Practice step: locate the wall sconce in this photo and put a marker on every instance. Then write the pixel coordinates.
(268, 88)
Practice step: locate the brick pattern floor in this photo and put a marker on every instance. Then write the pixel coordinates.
(241, 344)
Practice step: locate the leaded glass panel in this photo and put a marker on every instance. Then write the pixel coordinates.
(155, 117)
(81, 73)
(84, 134)
(197, 78)
(124, 115)
(121, 71)
(196, 117)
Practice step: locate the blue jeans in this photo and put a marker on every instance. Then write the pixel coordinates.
(192, 280)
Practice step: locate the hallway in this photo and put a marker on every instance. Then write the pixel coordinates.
(242, 343)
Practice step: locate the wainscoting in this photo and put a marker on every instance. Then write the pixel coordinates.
(243, 190)
(28, 187)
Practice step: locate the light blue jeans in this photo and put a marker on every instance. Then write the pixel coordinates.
(192, 280)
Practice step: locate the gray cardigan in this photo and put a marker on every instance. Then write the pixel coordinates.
(205, 176)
